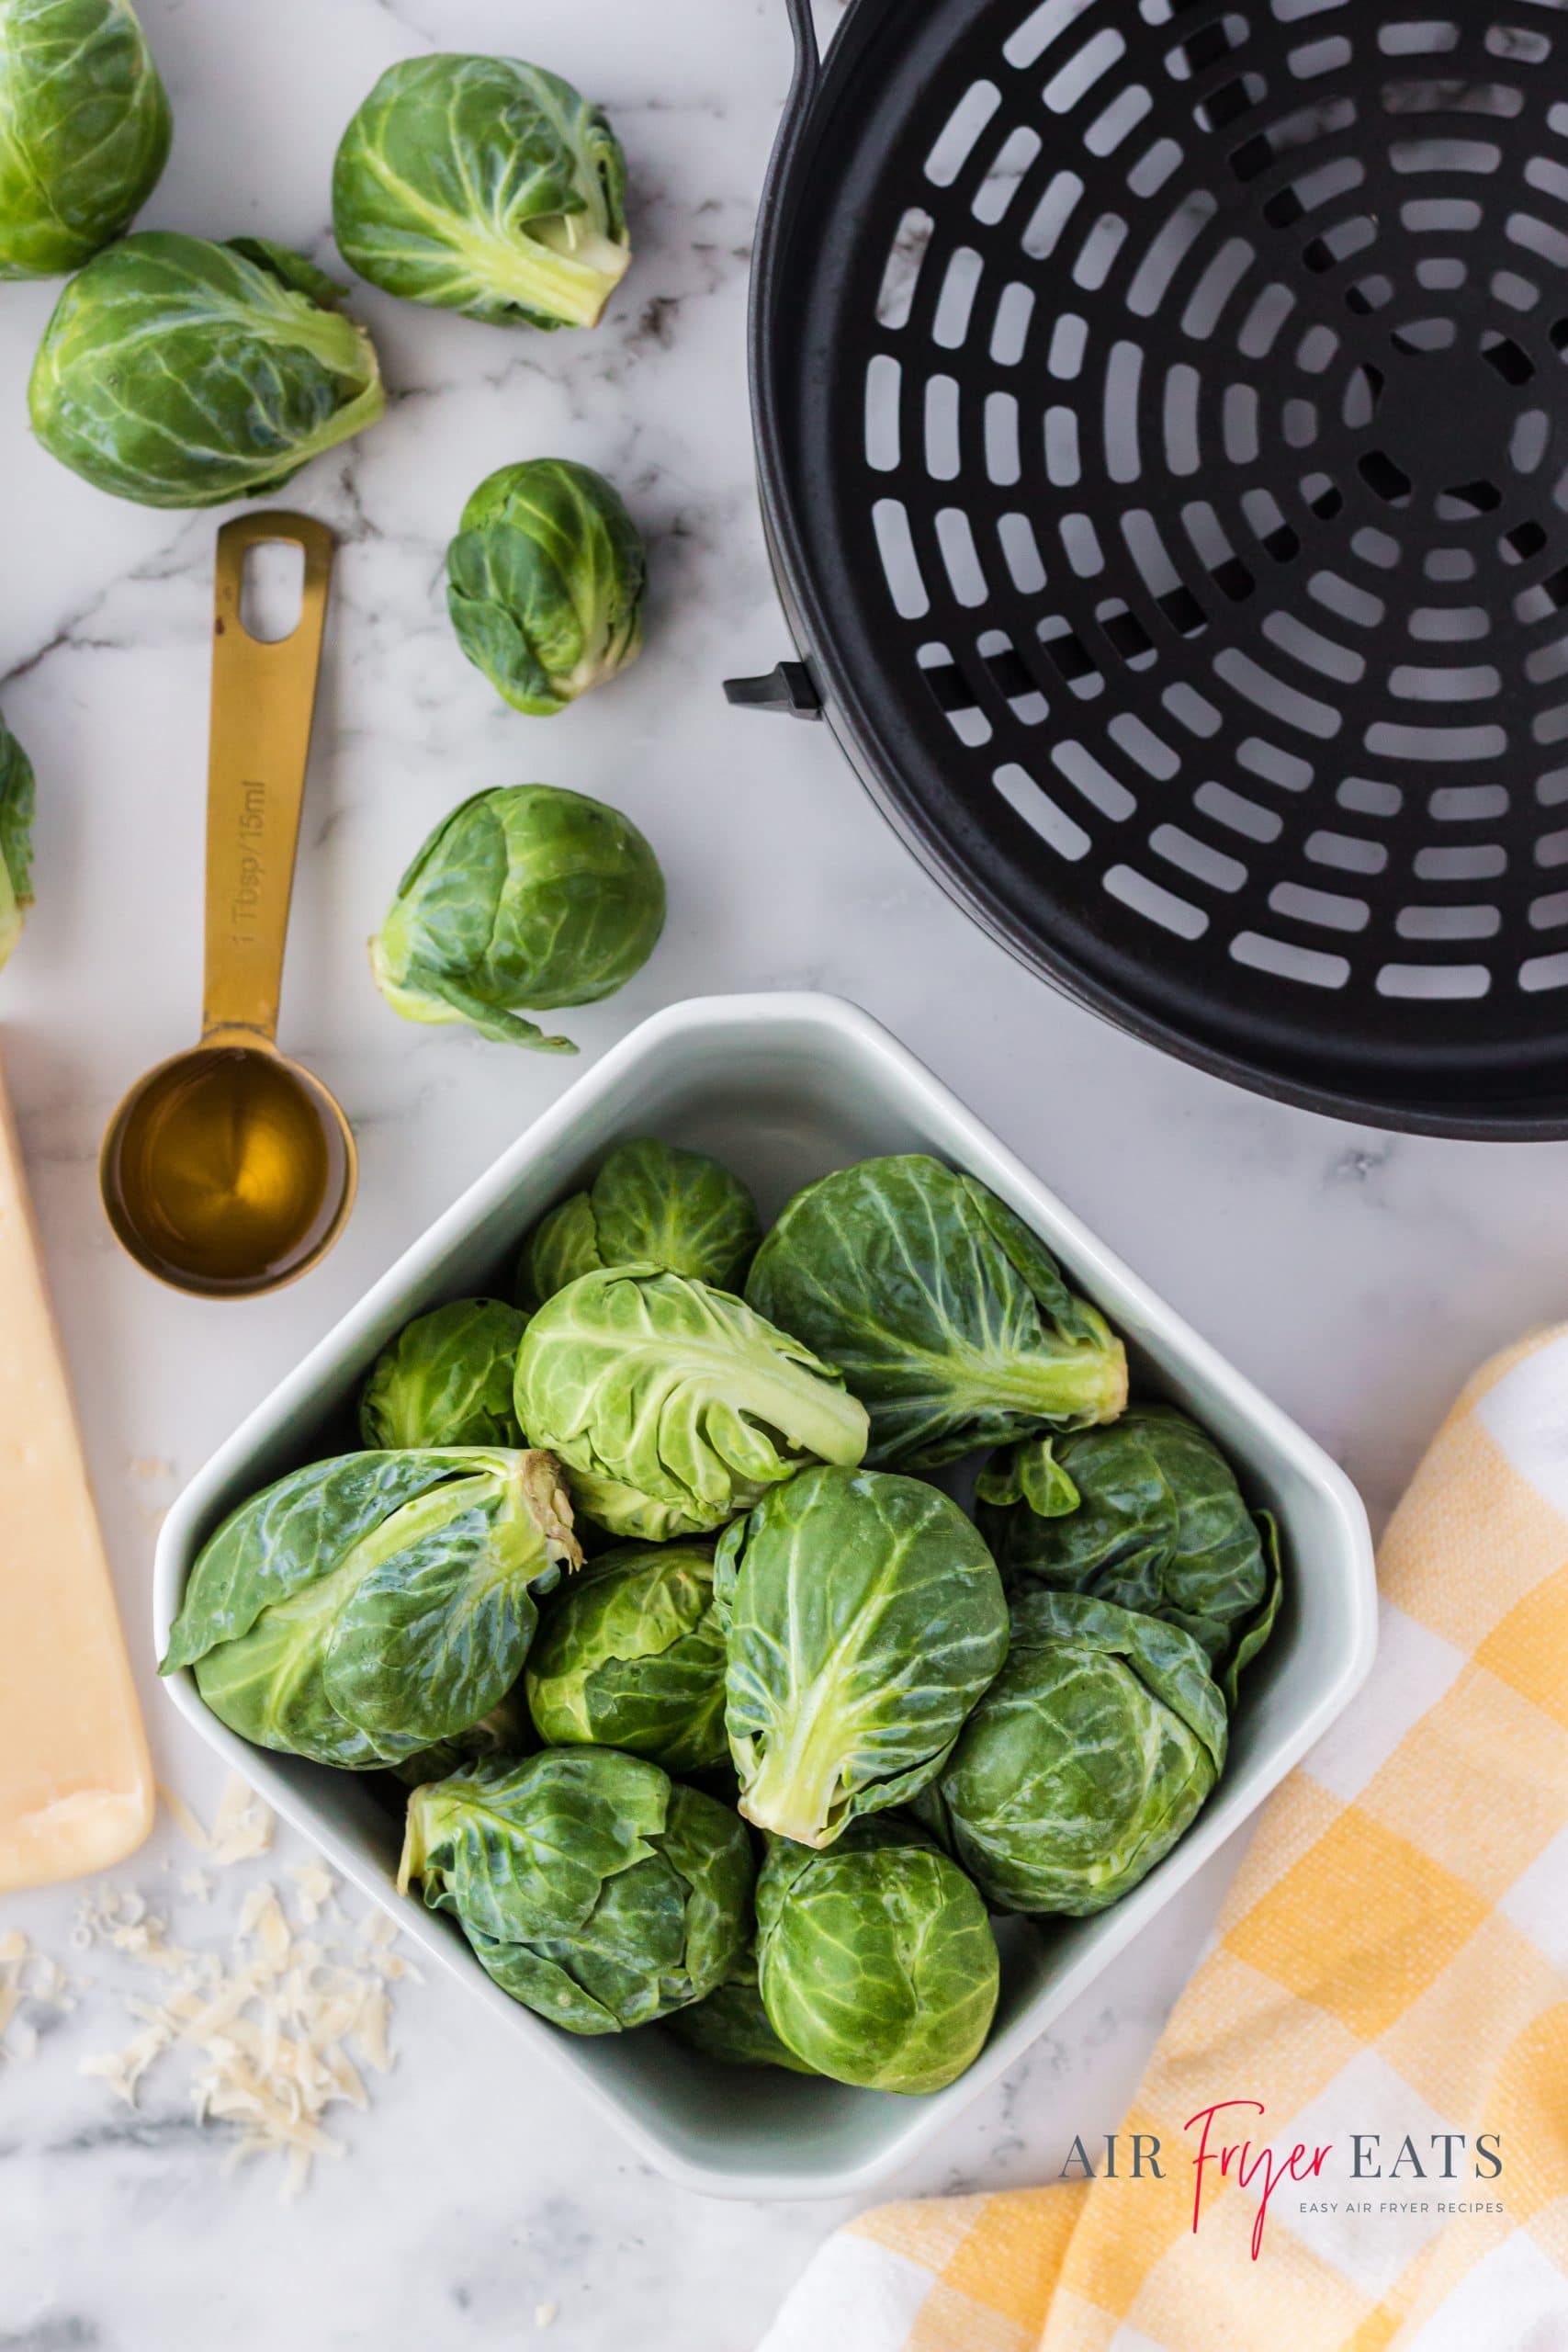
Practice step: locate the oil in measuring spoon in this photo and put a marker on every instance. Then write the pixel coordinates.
(225, 1170)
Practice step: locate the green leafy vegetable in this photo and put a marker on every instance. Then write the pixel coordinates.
(179, 373)
(544, 583)
(1085, 1759)
(876, 1961)
(593, 1888)
(446, 1379)
(15, 839)
(628, 1515)
(631, 1655)
(525, 896)
(732, 2026)
(85, 130)
(483, 184)
(368, 1607)
(679, 1393)
(948, 1317)
(651, 1203)
(1157, 1524)
(863, 1618)
(507, 1730)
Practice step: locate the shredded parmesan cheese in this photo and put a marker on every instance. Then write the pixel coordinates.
(185, 1821)
(242, 1830)
(27, 1976)
(276, 2029)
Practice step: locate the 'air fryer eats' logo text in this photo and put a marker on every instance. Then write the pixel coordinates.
(1373, 2156)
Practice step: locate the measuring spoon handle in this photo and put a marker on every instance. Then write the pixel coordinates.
(264, 697)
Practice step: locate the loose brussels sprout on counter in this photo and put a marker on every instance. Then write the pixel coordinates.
(446, 1379)
(679, 1393)
(947, 1316)
(15, 839)
(593, 1888)
(179, 373)
(876, 1961)
(732, 2026)
(483, 184)
(372, 1605)
(544, 583)
(1157, 1524)
(85, 130)
(632, 1655)
(1085, 1759)
(864, 1617)
(652, 1204)
(525, 896)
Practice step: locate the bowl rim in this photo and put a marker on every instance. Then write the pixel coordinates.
(1092, 1261)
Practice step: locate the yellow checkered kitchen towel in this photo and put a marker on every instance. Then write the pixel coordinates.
(1392, 1961)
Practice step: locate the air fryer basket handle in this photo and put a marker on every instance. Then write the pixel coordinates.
(790, 687)
(807, 56)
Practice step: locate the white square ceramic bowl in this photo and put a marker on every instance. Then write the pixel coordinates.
(784, 1087)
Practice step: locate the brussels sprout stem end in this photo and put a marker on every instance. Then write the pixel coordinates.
(570, 273)
(417, 1836)
(796, 1791)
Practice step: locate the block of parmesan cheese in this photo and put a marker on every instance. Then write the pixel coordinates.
(75, 1783)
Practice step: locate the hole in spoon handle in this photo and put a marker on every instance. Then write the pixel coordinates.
(264, 697)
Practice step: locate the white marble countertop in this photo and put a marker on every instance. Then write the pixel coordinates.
(1355, 1275)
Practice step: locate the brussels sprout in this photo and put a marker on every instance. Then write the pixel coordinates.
(1085, 1759)
(483, 184)
(446, 1379)
(628, 1515)
(507, 1730)
(679, 1393)
(732, 2026)
(525, 895)
(632, 1656)
(1157, 1524)
(864, 1617)
(593, 1888)
(179, 373)
(650, 1205)
(946, 1314)
(85, 130)
(15, 839)
(544, 583)
(368, 1607)
(876, 1961)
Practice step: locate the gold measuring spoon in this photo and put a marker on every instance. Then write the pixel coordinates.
(229, 1169)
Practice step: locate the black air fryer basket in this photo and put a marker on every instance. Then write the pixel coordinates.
(1162, 415)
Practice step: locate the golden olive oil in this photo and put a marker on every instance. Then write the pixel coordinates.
(226, 1170)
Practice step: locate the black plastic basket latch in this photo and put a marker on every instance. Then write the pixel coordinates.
(789, 689)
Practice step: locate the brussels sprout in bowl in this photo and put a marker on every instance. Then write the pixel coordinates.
(651, 1204)
(594, 1889)
(864, 1619)
(364, 1607)
(784, 1090)
(632, 1656)
(446, 1379)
